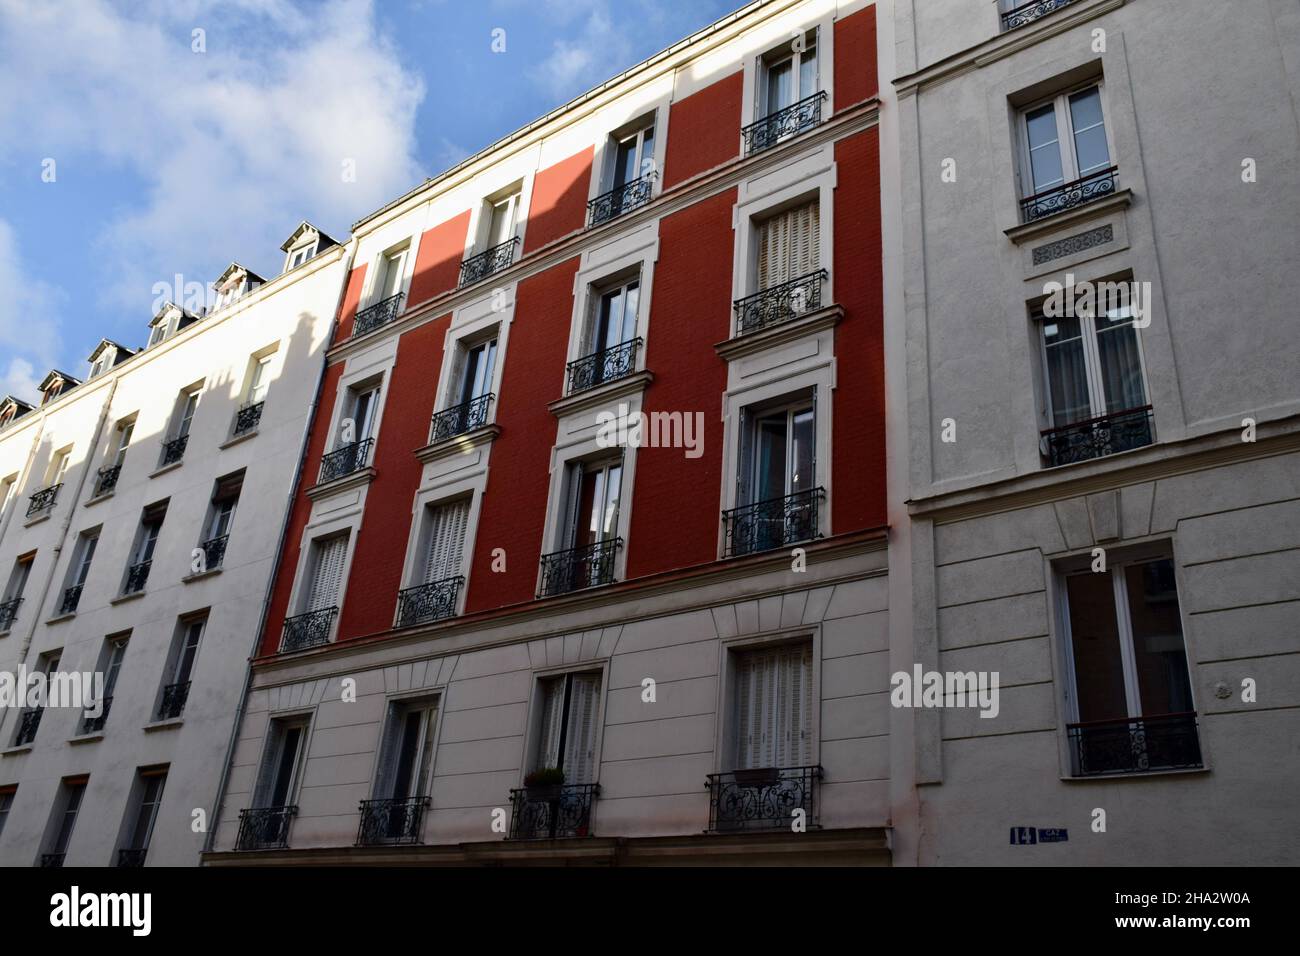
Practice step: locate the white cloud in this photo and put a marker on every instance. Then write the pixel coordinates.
(598, 49)
(29, 323)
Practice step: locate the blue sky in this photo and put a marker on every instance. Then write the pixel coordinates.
(168, 160)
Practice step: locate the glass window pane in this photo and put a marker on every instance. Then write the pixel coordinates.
(1044, 149)
(801, 479)
(808, 72)
(1089, 131)
(647, 151)
(1094, 638)
(1121, 366)
(1159, 655)
(1067, 376)
(780, 86)
(771, 466)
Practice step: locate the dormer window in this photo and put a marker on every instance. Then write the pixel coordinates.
(300, 255)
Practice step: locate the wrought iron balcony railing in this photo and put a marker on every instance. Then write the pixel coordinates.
(264, 828)
(106, 479)
(71, 598)
(8, 612)
(345, 460)
(1029, 12)
(28, 724)
(784, 123)
(93, 725)
(131, 859)
(773, 523)
(1135, 744)
(607, 365)
(621, 199)
(391, 821)
(764, 799)
(43, 501)
(173, 700)
(308, 630)
(381, 313)
(174, 450)
(552, 812)
(137, 576)
(247, 418)
(214, 551)
(460, 419)
(780, 303)
(1094, 186)
(1098, 437)
(479, 267)
(577, 568)
(428, 602)
(52, 861)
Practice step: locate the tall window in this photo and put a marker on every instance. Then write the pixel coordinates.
(475, 375)
(392, 270)
(445, 544)
(326, 576)
(778, 453)
(142, 815)
(110, 665)
(1064, 141)
(59, 467)
(277, 783)
(502, 215)
(774, 707)
(615, 320)
(789, 75)
(8, 491)
(259, 381)
(180, 667)
(362, 407)
(634, 156)
(220, 517)
(121, 441)
(406, 763)
(594, 490)
(12, 595)
(62, 820)
(30, 720)
(7, 794)
(82, 555)
(788, 245)
(146, 540)
(567, 741)
(185, 413)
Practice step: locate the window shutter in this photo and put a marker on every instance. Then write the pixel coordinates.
(774, 708)
(548, 744)
(446, 540)
(789, 245)
(392, 747)
(459, 358)
(329, 573)
(580, 740)
(744, 458)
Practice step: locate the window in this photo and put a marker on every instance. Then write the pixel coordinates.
(628, 180)
(567, 738)
(300, 255)
(788, 245)
(266, 824)
(502, 215)
(788, 75)
(356, 432)
(30, 720)
(98, 366)
(13, 592)
(142, 814)
(405, 769)
(63, 819)
(319, 595)
(8, 491)
(118, 444)
(435, 593)
(6, 803)
(777, 495)
(774, 707)
(589, 533)
(259, 381)
(1129, 691)
(109, 664)
(479, 365)
(79, 570)
(634, 156)
(609, 342)
(220, 517)
(1066, 154)
(180, 667)
(58, 467)
(388, 279)
(362, 406)
(469, 396)
(174, 447)
(146, 540)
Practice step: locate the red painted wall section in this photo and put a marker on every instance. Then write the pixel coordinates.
(676, 508)
(283, 589)
(858, 469)
(704, 130)
(438, 258)
(376, 572)
(514, 504)
(856, 76)
(351, 298)
(559, 203)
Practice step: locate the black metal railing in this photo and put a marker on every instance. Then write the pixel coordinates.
(247, 418)
(1098, 437)
(552, 812)
(137, 576)
(621, 199)
(93, 725)
(43, 500)
(9, 611)
(783, 123)
(345, 460)
(214, 551)
(1029, 12)
(173, 700)
(52, 861)
(131, 859)
(381, 313)
(764, 799)
(28, 724)
(391, 821)
(1135, 744)
(106, 479)
(479, 267)
(459, 419)
(307, 630)
(780, 303)
(264, 828)
(174, 450)
(577, 568)
(428, 602)
(607, 365)
(1080, 192)
(773, 523)
(71, 598)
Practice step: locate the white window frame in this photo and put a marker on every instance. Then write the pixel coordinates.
(1064, 135)
(625, 257)
(771, 59)
(597, 667)
(278, 726)
(635, 130)
(430, 701)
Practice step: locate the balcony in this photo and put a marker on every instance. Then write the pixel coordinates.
(586, 567)
(479, 267)
(137, 576)
(106, 480)
(131, 859)
(1098, 437)
(428, 602)
(622, 199)
(1071, 195)
(28, 724)
(552, 811)
(763, 799)
(174, 450)
(71, 598)
(775, 523)
(459, 419)
(8, 612)
(607, 365)
(381, 313)
(1029, 12)
(214, 551)
(1135, 744)
(307, 630)
(95, 725)
(345, 460)
(264, 828)
(780, 303)
(386, 822)
(173, 700)
(247, 418)
(42, 503)
(783, 124)
(52, 861)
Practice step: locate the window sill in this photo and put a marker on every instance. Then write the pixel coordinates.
(45, 516)
(86, 738)
(98, 498)
(1025, 231)
(162, 470)
(357, 479)
(231, 442)
(1137, 775)
(740, 346)
(457, 444)
(170, 723)
(14, 751)
(61, 617)
(601, 394)
(123, 598)
(191, 578)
